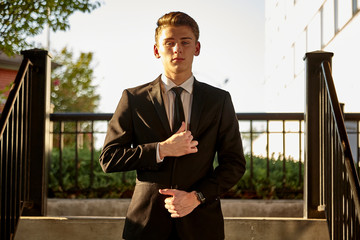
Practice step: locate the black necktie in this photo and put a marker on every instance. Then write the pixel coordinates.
(179, 116)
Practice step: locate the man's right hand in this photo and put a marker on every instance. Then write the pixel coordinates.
(179, 144)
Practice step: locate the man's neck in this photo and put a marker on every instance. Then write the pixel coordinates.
(177, 78)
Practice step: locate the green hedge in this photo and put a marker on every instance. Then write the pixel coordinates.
(104, 185)
(121, 185)
(276, 186)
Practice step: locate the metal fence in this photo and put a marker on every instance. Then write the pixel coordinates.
(70, 130)
(272, 137)
(79, 131)
(339, 184)
(14, 161)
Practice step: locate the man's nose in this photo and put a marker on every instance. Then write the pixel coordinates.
(177, 48)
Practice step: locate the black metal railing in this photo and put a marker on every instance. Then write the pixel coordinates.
(271, 136)
(14, 138)
(289, 131)
(78, 130)
(352, 124)
(339, 182)
(71, 130)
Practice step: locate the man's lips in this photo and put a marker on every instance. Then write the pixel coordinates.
(178, 59)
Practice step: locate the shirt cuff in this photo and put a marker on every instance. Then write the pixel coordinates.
(158, 159)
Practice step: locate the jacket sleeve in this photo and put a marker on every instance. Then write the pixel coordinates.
(119, 153)
(231, 160)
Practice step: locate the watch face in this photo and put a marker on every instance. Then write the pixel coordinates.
(200, 197)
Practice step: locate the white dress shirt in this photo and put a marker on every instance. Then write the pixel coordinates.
(169, 99)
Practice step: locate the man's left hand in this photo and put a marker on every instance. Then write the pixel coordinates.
(180, 203)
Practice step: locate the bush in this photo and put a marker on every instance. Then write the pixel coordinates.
(276, 186)
(87, 184)
(121, 185)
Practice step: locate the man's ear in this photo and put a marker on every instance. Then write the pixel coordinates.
(197, 49)
(156, 51)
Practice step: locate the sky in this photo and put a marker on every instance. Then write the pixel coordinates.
(121, 36)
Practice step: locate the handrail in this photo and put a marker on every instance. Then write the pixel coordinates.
(341, 182)
(354, 178)
(14, 91)
(71, 116)
(280, 116)
(76, 116)
(14, 167)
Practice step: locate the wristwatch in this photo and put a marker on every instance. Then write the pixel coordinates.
(200, 197)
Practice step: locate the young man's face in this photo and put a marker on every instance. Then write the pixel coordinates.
(177, 46)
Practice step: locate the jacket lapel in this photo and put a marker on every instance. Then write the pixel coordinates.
(197, 107)
(156, 98)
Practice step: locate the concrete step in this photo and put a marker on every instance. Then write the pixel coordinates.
(230, 207)
(94, 219)
(110, 228)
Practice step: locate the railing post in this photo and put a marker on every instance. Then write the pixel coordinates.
(39, 123)
(312, 173)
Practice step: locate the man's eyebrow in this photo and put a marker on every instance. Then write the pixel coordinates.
(183, 38)
(166, 39)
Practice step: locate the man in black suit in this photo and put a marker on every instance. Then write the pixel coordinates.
(169, 131)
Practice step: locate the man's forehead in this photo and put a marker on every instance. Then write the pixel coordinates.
(177, 32)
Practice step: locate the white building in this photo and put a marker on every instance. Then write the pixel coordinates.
(294, 27)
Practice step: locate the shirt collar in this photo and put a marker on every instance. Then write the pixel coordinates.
(187, 85)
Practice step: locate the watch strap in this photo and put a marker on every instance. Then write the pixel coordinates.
(200, 197)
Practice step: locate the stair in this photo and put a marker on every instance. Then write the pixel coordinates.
(101, 219)
(230, 207)
(110, 228)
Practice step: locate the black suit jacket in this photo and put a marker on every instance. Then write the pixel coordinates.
(138, 124)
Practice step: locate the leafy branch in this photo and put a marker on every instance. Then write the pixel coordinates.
(20, 19)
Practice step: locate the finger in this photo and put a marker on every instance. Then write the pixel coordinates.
(188, 133)
(194, 143)
(191, 138)
(182, 127)
(170, 207)
(193, 147)
(166, 191)
(188, 137)
(175, 215)
(193, 150)
(169, 200)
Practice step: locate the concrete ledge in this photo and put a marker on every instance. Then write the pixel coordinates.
(70, 228)
(110, 228)
(230, 207)
(275, 229)
(262, 208)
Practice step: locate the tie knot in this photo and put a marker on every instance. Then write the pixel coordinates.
(177, 90)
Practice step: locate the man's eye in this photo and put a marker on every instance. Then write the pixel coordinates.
(169, 44)
(185, 43)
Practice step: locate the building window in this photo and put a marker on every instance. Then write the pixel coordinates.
(344, 12)
(299, 53)
(327, 22)
(314, 34)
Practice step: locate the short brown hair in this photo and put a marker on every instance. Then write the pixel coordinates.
(177, 19)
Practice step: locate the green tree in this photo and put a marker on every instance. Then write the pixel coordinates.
(20, 19)
(72, 89)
